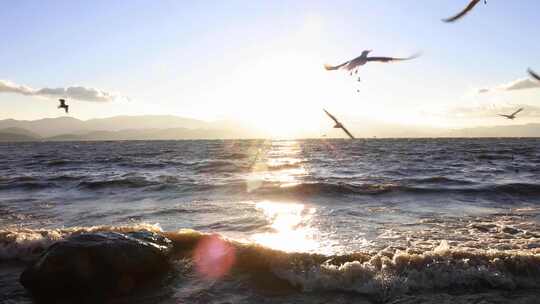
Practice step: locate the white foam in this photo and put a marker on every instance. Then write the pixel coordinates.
(441, 268)
(26, 244)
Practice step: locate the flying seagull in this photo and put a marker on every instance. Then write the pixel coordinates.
(63, 105)
(353, 65)
(533, 74)
(338, 124)
(464, 12)
(513, 115)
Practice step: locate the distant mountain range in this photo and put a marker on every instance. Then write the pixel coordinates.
(18, 134)
(57, 126)
(167, 127)
(526, 130)
(145, 127)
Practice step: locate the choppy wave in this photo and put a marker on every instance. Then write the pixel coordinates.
(130, 182)
(326, 188)
(420, 186)
(439, 180)
(424, 186)
(216, 166)
(25, 183)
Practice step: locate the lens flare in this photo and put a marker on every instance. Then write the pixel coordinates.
(213, 257)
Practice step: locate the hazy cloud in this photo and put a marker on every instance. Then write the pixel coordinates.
(75, 92)
(520, 84)
(10, 87)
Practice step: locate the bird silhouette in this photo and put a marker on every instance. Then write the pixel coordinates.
(464, 12)
(354, 64)
(63, 105)
(533, 74)
(339, 124)
(513, 115)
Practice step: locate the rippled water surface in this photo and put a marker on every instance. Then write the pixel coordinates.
(464, 214)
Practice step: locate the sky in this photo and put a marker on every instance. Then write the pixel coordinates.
(261, 62)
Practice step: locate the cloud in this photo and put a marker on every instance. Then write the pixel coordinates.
(75, 92)
(10, 87)
(520, 84)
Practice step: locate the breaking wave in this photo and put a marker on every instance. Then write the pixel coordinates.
(27, 244)
(383, 274)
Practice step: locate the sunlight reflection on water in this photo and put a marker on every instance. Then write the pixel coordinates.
(290, 224)
(280, 162)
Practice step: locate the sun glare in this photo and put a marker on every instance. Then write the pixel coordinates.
(290, 224)
(284, 94)
(282, 89)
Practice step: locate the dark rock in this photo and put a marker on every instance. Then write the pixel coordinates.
(510, 230)
(99, 265)
(480, 227)
(533, 245)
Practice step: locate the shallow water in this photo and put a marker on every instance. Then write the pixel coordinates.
(396, 221)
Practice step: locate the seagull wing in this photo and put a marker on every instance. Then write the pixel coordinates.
(503, 115)
(347, 131)
(533, 74)
(337, 67)
(390, 59)
(519, 110)
(331, 116)
(469, 7)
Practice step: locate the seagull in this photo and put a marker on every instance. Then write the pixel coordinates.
(338, 124)
(352, 65)
(63, 105)
(533, 74)
(464, 12)
(513, 115)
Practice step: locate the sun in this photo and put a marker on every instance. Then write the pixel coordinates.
(281, 100)
(282, 90)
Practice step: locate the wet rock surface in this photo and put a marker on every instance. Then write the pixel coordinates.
(99, 264)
